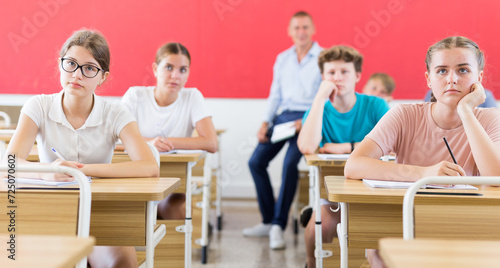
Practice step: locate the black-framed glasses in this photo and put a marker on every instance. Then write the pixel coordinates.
(88, 70)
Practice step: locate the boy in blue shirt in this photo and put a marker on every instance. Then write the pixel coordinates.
(338, 119)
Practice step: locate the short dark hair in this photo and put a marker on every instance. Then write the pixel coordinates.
(345, 53)
(300, 14)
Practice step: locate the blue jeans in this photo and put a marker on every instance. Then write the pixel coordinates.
(276, 212)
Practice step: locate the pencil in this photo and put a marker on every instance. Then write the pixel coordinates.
(449, 150)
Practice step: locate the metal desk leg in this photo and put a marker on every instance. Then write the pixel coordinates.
(319, 253)
(218, 200)
(342, 235)
(188, 227)
(207, 177)
(152, 237)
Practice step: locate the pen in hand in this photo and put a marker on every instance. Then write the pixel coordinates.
(161, 131)
(57, 154)
(449, 150)
(164, 137)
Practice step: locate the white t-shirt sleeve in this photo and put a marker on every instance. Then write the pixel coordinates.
(198, 106)
(129, 100)
(33, 108)
(121, 117)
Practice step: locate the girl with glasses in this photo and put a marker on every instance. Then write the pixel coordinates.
(84, 128)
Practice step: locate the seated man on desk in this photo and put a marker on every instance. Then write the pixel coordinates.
(338, 119)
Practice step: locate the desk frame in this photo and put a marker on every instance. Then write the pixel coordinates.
(358, 199)
(314, 163)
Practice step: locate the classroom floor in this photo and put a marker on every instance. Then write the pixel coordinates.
(229, 248)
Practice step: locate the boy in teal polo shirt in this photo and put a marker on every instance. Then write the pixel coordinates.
(338, 119)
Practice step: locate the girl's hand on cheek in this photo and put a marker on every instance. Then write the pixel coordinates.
(474, 98)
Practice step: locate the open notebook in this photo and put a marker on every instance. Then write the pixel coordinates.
(47, 183)
(184, 152)
(405, 185)
(345, 156)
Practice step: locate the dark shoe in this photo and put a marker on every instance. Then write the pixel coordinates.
(305, 215)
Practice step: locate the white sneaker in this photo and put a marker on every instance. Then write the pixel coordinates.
(260, 229)
(276, 240)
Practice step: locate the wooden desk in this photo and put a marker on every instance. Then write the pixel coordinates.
(175, 165)
(123, 210)
(430, 253)
(368, 214)
(46, 251)
(324, 168)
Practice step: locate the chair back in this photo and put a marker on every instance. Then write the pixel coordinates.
(85, 194)
(6, 118)
(156, 153)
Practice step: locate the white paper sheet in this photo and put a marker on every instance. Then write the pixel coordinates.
(283, 131)
(405, 185)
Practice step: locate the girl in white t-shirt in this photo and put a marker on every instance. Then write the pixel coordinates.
(415, 131)
(168, 113)
(84, 128)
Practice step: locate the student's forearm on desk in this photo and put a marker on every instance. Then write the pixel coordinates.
(195, 143)
(336, 148)
(364, 163)
(361, 167)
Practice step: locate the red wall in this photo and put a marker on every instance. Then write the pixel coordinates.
(234, 43)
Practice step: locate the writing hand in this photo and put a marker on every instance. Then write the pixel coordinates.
(443, 168)
(163, 144)
(62, 176)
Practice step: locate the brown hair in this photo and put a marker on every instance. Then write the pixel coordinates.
(94, 42)
(454, 42)
(345, 53)
(386, 79)
(172, 48)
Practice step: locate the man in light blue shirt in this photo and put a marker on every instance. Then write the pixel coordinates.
(296, 79)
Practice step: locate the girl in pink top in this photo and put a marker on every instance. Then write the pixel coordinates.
(415, 131)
